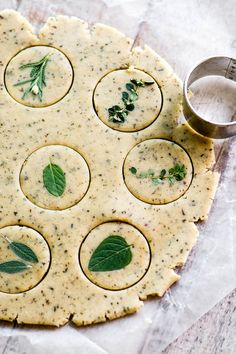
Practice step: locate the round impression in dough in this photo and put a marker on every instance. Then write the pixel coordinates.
(55, 177)
(24, 259)
(115, 255)
(128, 99)
(158, 171)
(38, 76)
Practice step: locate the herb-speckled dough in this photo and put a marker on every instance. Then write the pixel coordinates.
(66, 292)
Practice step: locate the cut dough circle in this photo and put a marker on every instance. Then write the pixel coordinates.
(76, 171)
(30, 277)
(108, 93)
(154, 155)
(130, 274)
(58, 76)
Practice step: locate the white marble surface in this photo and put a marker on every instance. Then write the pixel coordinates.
(184, 32)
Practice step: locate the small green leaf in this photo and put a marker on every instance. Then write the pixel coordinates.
(150, 172)
(11, 267)
(162, 174)
(117, 108)
(143, 174)
(157, 181)
(141, 83)
(113, 253)
(54, 179)
(129, 87)
(125, 95)
(133, 170)
(148, 83)
(136, 82)
(130, 107)
(133, 96)
(111, 111)
(171, 180)
(23, 251)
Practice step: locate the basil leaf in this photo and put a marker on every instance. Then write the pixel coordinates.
(13, 267)
(113, 253)
(23, 251)
(54, 179)
(162, 174)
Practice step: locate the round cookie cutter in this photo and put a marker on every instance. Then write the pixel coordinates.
(220, 66)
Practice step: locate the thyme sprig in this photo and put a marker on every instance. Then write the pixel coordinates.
(37, 77)
(118, 114)
(176, 173)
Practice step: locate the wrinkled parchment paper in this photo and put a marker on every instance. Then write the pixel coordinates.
(183, 32)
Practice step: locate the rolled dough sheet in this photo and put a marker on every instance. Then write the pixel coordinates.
(70, 127)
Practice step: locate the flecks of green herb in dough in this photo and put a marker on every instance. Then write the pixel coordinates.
(113, 253)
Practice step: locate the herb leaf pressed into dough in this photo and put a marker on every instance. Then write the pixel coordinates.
(24, 252)
(113, 253)
(11, 267)
(37, 77)
(54, 179)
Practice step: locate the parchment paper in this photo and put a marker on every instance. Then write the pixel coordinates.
(183, 32)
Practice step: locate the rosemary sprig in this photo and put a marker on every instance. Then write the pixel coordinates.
(37, 77)
(176, 173)
(118, 114)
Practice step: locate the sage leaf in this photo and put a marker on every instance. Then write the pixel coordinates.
(24, 252)
(11, 267)
(113, 253)
(54, 179)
